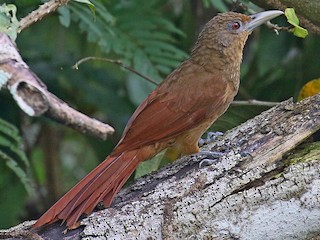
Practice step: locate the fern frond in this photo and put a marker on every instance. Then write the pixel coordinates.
(138, 33)
(12, 153)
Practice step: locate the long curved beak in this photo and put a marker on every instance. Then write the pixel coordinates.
(260, 18)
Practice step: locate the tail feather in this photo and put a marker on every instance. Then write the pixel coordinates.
(89, 204)
(101, 184)
(93, 188)
(81, 191)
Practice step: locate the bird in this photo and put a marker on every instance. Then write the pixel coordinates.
(173, 116)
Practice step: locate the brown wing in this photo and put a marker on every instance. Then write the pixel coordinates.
(181, 102)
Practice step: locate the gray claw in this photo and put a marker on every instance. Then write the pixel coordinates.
(210, 157)
(206, 162)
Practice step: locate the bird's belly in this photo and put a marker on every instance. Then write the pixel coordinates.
(187, 142)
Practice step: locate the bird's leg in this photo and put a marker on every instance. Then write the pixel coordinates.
(210, 157)
(211, 136)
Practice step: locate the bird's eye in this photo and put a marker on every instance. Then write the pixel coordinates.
(235, 25)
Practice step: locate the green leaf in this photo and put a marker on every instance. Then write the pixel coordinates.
(7, 128)
(89, 4)
(86, 22)
(10, 138)
(12, 164)
(291, 16)
(64, 16)
(149, 166)
(294, 20)
(146, 43)
(8, 20)
(104, 13)
(300, 32)
(84, 1)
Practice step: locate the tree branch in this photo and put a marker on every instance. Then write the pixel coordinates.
(262, 185)
(32, 95)
(43, 10)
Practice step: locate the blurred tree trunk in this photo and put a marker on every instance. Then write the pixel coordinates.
(50, 139)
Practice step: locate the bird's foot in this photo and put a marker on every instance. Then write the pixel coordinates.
(211, 136)
(207, 162)
(209, 157)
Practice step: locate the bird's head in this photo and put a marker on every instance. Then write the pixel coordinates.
(227, 33)
(237, 26)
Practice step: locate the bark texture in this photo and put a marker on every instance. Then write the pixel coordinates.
(266, 186)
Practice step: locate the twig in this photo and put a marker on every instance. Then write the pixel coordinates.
(118, 62)
(43, 10)
(277, 28)
(269, 24)
(255, 103)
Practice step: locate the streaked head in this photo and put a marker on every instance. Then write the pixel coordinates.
(226, 34)
(230, 26)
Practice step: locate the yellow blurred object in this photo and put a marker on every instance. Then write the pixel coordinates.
(309, 89)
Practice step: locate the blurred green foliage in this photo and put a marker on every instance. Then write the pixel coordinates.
(8, 21)
(151, 36)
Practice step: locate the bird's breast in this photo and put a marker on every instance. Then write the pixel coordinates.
(222, 101)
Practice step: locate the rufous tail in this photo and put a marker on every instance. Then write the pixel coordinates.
(101, 184)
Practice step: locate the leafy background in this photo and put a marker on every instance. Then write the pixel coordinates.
(40, 159)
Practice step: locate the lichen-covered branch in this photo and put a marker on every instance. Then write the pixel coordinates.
(261, 186)
(254, 192)
(32, 95)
